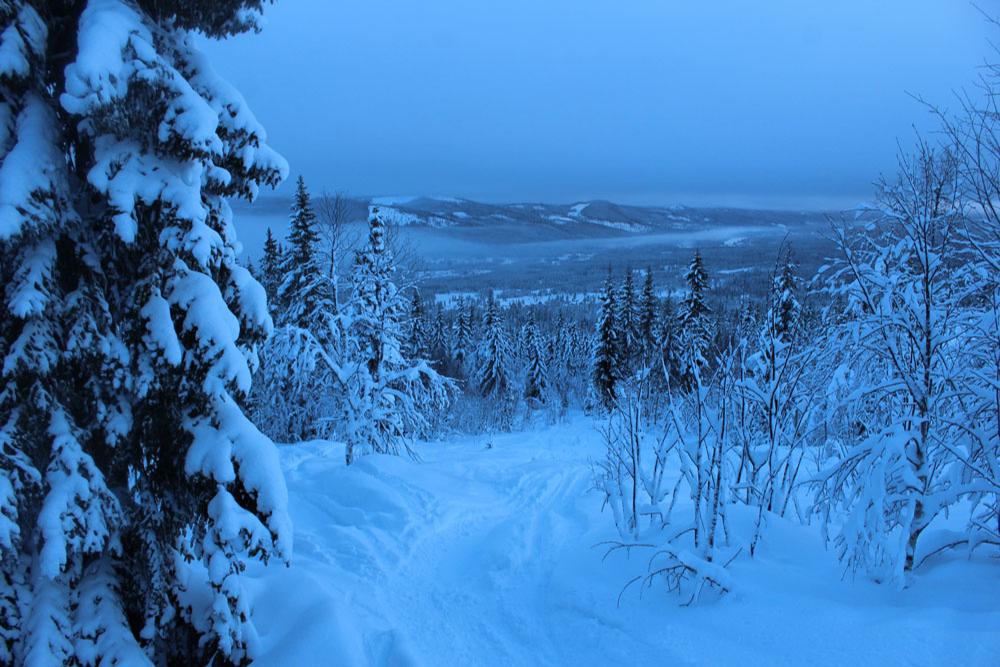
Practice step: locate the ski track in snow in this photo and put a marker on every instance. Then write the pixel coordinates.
(476, 556)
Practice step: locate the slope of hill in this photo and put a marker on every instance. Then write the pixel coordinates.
(479, 556)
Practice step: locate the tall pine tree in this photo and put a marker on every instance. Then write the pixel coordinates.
(416, 342)
(494, 354)
(133, 490)
(536, 381)
(305, 295)
(389, 394)
(648, 314)
(786, 301)
(628, 325)
(666, 343)
(294, 393)
(606, 349)
(462, 339)
(695, 323)
(270, 270)
(439, 344)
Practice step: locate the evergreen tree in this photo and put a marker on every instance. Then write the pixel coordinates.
(747, 320)
(295, 390)
(270, 270)
(628, 324)
(579, 349)
(494, 354)
(416, 345)
(557, 349)
(305, 294)
(440, 341)
(133, 490)
(666, 337)
(462, 340)
(695, 323)
(648, 314)
(606, 351)
(786, 286)
(389, 394)
(536, 383)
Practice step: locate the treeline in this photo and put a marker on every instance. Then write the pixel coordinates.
(483, 365)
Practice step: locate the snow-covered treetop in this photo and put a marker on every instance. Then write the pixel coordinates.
(187, 110)
(218, 18)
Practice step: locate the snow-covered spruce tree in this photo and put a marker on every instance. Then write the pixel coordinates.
(294, 390)
(695, 335)
(304, 293)
(271, 404)
(557, 345)
(666, 344)
(495, 356)
(904, 325)
(132, 487)
(558, 353)
(648, 316)
(270, 270)
(463, 345)
(785, 298)
(417, 339)
(605, 369)
(628, 325)
(579, 352)
(439, 339)
(388, 395)
(536, 374)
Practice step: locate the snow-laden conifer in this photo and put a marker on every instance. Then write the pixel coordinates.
(270, 270)
(417, 338)
(536, 381)
(389, 396)
(133, 489)
(667, 331)
(627, 323)
(495, 355)
(295, 390)
(305, 291)
(463, 343)
(695, 335)
(649, 314)
(786, 296)
(605, 370)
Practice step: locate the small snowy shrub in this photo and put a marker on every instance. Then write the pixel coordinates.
(681, 518)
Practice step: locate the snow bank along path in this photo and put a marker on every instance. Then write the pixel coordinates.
(477, 556)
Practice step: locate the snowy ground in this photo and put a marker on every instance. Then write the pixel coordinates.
(486, 556)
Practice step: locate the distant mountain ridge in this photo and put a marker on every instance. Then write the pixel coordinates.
(581, 219)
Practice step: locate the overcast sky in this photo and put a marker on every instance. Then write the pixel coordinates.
(791, 103)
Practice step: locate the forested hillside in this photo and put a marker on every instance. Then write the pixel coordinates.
(434, 431)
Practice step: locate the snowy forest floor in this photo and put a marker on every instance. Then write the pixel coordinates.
(476, 556)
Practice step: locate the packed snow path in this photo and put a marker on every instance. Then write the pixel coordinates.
(485, 556)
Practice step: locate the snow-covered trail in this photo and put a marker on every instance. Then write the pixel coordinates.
(477, 556)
